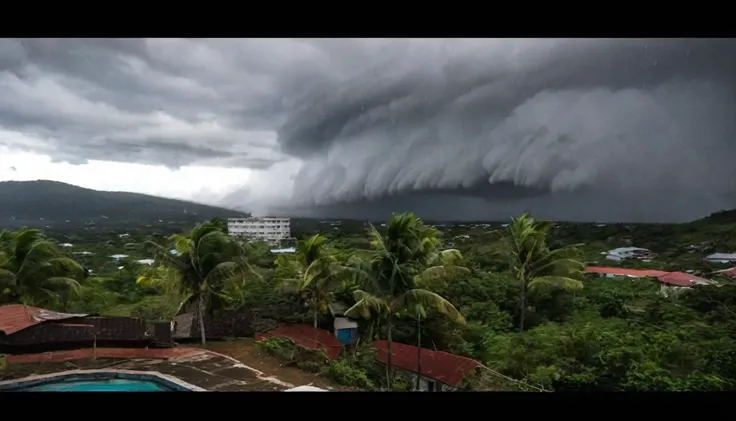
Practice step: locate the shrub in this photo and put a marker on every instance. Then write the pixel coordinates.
(346, 374)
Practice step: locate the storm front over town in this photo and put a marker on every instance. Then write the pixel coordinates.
(638, 130)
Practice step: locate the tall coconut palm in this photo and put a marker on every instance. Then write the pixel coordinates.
(313, 272)
(34, 271)
(395, 272)
(205, 262)
(534, 264)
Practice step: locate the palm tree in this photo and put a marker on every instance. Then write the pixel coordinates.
(313, 272)
(396, 272)
(534, 265)
(34, 271)
(206, 261)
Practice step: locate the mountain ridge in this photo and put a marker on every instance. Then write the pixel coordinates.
(40, 202)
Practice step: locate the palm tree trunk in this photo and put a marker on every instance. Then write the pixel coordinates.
(389, 368)
(315, 319)
(419, 352)
(201, 318)
(522, 314)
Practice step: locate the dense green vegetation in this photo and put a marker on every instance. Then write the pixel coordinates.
(513, 296)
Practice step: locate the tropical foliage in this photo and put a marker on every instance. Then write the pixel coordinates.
(203, 265)
(34, 272)
(397, 273)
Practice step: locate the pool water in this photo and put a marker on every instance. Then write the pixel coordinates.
(111, 385)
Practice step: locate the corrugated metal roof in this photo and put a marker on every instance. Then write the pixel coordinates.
(721, 256)
(436, 365)
(682, 279)
(16, 317)
(307, 336)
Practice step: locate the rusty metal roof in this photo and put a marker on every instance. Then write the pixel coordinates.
(307, 336)
(441, 366)
(682, 279)
(671, 278)
(16, 317)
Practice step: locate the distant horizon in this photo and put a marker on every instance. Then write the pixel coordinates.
(372, 220)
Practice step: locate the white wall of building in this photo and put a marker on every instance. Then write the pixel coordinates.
(271, 229)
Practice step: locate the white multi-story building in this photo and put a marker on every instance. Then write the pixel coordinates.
(271, 229)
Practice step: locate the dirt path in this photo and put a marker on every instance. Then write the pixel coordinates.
(246, 352)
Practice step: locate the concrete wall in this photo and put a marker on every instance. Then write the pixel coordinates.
(424, 382)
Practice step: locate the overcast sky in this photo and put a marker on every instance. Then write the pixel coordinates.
(468, 129)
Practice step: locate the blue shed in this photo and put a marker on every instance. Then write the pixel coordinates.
(345, 330)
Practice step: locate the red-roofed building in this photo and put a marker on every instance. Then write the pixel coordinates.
(17, 317)
(668, 280)
(440, 370)
(634, 273)
(681, 279)
(306, 336)
(26, 329)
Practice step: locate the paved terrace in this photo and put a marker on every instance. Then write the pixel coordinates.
(207, 369)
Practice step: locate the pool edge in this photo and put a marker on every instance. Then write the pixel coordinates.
(41, 377)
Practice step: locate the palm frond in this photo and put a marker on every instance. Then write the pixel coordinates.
(367, 305)
(560, 282)
(60, 282)
(420, 301)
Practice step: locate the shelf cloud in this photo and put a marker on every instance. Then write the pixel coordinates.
(615, 130)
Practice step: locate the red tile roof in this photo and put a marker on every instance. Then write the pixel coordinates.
(437, 365)
(16, 317)
(307, 336)
(639, 273)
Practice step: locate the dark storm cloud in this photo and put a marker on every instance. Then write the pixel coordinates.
(633, 129)
(468, 129)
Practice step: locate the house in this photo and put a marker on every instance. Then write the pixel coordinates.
(623, 253)
(669, 281)
(118, 256)
(26, 329)
(721, 258)
(612, 272)
(440, 371)
(344, 329)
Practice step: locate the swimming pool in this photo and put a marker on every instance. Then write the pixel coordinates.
(99, 381)
(112, 385)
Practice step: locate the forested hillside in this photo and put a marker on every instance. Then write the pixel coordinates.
(41, 203)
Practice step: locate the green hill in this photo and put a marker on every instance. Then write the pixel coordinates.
(41, 203)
